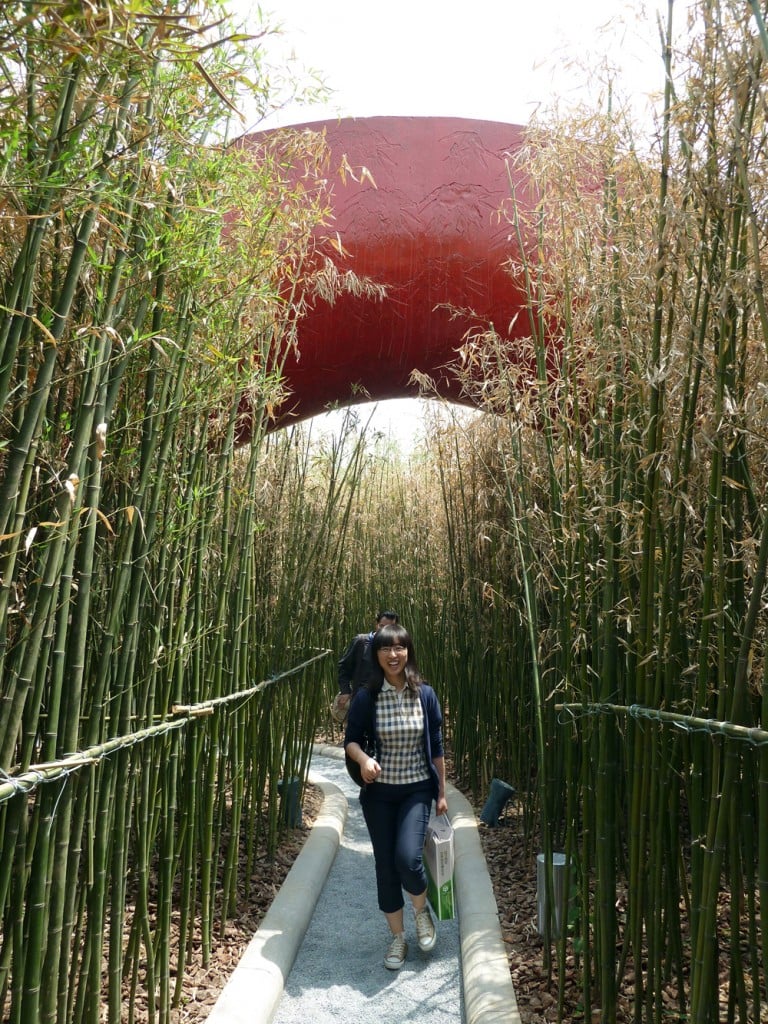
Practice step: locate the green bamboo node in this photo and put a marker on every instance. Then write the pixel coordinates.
(688, 723)
(49, 771)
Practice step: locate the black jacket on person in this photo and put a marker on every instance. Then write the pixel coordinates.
(356, 664)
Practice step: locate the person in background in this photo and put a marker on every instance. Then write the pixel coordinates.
(355, 665)
(394, 733)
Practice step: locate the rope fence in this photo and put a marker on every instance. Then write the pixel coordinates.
(688, 723)
(180, 716)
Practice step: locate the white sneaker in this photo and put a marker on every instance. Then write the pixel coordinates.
(425, 929)
(396, 952)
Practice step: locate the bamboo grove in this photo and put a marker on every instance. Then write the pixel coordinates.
(146, 578)
(623, 464)
(582, 567)
(591, 602)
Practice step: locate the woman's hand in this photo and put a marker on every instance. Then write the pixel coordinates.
(441, 804)
(370, 769)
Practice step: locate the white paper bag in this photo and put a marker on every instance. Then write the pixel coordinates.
(438, 861)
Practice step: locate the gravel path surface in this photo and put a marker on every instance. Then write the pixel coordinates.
(338, 976)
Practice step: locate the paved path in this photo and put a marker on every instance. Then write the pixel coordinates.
(338, 975)
(317, 957)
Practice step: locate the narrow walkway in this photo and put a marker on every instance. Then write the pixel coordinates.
(338, 974)
(317, 958)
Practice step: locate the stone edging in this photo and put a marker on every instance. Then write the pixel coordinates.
(489, 996)
(253, 992)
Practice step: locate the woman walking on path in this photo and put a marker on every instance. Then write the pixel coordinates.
(394, 735)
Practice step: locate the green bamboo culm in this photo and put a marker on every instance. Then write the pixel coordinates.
(141, 340)
(582, 567)
(647, 555)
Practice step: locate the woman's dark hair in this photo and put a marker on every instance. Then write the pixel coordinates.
(392, 636)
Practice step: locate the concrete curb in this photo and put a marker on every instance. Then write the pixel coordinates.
(253, 992)
(489, 996)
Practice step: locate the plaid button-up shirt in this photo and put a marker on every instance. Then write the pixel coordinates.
(400, 725)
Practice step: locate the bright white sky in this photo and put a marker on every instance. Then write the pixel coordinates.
(498, 60)
(492, 59)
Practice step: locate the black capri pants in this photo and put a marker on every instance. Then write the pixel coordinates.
(397, 819)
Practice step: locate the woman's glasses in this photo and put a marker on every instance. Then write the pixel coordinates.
(397, 649)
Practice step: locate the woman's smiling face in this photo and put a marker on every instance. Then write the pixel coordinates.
(392, 659)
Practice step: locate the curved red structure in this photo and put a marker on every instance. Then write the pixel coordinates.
(430, 231)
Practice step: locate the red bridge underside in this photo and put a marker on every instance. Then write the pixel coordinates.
(431, 232)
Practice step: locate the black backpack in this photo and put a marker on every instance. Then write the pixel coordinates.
(353, 768)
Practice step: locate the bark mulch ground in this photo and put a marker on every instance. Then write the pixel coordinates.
(203, 982)
(512, 869)
(513, 875)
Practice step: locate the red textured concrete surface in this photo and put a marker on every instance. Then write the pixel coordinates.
(430, 231)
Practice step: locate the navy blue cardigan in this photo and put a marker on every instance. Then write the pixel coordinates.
(361, 727)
